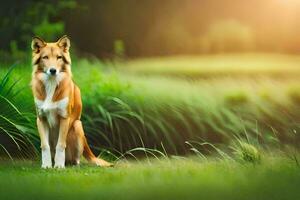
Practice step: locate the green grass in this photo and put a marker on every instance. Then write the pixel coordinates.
(247, 64)
(17, 131)
(123, 111)
(177, 178)
(233, 109)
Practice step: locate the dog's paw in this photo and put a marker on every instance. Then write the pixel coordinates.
(59, 158)
(46, 166)
(46, 159)
(59, 166)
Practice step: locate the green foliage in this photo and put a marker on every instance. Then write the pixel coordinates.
(124, 111)
(49, 30)
(20, 21)
(17, 129)
(246, 152)
(163, 111)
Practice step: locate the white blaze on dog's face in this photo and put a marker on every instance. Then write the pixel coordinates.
(51, 58)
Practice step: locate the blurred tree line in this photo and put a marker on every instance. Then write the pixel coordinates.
(106, 28)
(21, 20)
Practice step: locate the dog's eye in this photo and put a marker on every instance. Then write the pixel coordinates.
(45, 57)
(59, 57)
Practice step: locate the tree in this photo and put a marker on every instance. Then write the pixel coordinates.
(21, 20)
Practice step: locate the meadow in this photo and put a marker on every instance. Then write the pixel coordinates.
(130, 106)
(176, 178)
(216, 65)
(188, 99)
(188, 126)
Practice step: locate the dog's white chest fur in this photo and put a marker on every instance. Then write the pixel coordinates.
(49, 109)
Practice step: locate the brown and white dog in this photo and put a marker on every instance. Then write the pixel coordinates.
(58, 103)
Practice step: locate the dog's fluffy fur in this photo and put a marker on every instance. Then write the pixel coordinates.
(58, 103)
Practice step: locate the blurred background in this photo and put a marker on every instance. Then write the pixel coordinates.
(154, 28)
(175, 76)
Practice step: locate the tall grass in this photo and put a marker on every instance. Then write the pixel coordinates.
(17, 131)
(125, 114)
(155, 111)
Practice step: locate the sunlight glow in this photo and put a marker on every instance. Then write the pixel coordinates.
(289, 2)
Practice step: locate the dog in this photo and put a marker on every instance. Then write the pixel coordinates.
(58, 105)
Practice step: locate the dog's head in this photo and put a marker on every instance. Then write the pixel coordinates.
(51, 58)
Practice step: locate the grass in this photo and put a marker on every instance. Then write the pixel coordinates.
(236, 116)
(177, 178)
(215, 110)
(17, 131)
(238, 65)
(124, 111)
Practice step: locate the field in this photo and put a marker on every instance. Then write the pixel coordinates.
(175, 178)
(218, 65)
(222, 126)
(226, 97)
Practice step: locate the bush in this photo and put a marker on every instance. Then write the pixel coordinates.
(246, 152)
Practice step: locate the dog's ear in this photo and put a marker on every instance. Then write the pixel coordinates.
(37, 43)
(64, 43)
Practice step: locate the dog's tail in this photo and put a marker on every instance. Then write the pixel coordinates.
(88, 154)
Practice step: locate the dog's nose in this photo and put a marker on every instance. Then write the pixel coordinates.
(52, 71)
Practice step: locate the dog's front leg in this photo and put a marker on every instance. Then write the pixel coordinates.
(44, 136)
(61, 143)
